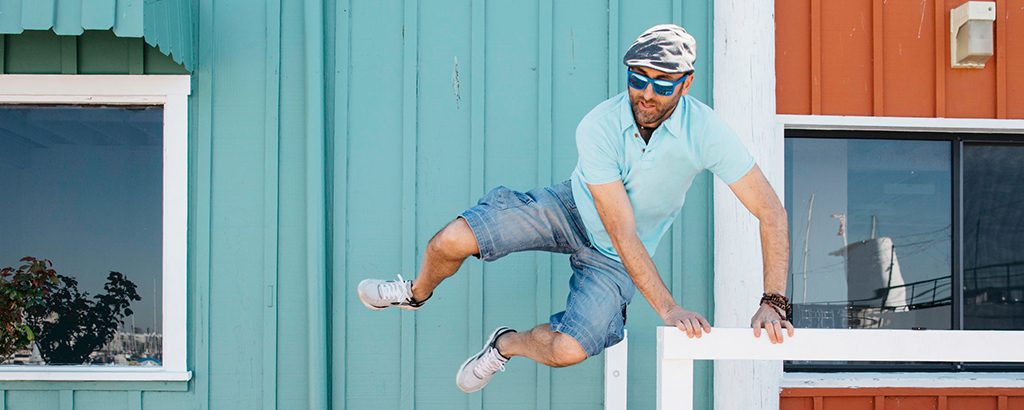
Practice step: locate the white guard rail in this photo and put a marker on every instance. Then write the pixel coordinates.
(676, 352)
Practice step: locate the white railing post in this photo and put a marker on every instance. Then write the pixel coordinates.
(616, 362)
(675, 380)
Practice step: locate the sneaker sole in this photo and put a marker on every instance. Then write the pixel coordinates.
(464, 364)
(362, 299)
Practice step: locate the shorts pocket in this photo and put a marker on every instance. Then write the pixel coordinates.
(504, 198)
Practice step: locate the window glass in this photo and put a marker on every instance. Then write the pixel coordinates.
(81, 186)
(870, 224)
(993, 237)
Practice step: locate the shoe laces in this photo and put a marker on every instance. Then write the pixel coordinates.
(399, 290)
(490, 362)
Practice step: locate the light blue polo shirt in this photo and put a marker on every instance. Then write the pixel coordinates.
(657, 174)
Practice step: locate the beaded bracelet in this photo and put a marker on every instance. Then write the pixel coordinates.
(778, 302)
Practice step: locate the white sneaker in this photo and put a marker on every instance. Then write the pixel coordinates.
(381, 294)
(479, 368)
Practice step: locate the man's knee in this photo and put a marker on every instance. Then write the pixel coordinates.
(567, 351)
(456, 240)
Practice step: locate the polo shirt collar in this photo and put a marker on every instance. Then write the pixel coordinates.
(672, 124)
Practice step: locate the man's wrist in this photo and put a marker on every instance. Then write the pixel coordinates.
(666, 309)
(779, 303)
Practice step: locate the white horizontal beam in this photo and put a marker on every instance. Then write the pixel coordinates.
(911, 124)
(94, 85)
(847, 344)
(93, 373)
(676, 352)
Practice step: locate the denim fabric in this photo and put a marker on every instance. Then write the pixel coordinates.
(546, 219)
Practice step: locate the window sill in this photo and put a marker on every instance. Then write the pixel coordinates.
(93, 374)
(902, 380)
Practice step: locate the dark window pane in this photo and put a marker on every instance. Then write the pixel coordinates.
(82, 187)
(870, 229)
(993, 237)
(870, 224)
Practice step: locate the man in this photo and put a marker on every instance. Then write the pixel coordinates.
(638, 153)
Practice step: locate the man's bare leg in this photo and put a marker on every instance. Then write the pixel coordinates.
(444, 255)
(543, 346)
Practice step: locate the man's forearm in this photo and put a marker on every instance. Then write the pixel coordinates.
(643, 273)
(775, 252)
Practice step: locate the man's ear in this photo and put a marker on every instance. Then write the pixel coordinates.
(686, 84)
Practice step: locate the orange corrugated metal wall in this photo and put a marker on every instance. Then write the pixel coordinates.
(901, 398)
(891, 58)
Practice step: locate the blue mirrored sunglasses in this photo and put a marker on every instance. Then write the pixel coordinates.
(639, 81)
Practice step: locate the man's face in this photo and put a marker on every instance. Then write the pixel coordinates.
(649, 108)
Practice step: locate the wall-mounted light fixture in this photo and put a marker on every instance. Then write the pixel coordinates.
(970, 34)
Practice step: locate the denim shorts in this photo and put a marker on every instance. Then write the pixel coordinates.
(546, 219)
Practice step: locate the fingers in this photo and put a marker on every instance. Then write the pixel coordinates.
(777, 325)
(769, 327)
(789, 326)
(695, 324)
(688, 327)
(756, 324)
(704, 323)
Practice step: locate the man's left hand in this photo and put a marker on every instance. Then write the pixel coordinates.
(769, 319)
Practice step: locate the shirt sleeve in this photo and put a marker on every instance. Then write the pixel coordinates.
(722, 151)
(599, 159)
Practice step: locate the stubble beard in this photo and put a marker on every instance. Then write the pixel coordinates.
(648, 117)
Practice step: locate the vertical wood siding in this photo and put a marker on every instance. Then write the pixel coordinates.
(426, 105)
(891, 58)
(498, 91)
(902, 399)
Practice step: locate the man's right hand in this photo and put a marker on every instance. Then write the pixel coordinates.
(690, 322)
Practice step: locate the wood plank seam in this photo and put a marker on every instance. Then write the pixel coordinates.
(877, 24)
(409, 165)
(815, 57)
(135, 400)
(69, 55)
(940, 57)
(66, 399)
(340, 205)
(545, 167)
(613, 47)
(204, 124)
(136, 56)
(270, 199)
(474, 308)
(315, 206)
(1001, 23)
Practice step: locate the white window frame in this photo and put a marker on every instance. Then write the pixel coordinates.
(171, 92)
(901, 124)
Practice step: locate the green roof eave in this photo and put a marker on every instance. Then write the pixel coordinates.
(165, 24)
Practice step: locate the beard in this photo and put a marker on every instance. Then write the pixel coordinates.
(659, 113)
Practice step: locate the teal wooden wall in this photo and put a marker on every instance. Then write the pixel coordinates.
(330, 140)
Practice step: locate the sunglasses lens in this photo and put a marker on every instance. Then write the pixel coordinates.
(663, 89)
(637, 81)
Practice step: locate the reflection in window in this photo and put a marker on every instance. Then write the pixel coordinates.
(993, 237)
(82, 187)
(870, 228)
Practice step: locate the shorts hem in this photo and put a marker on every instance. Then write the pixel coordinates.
(484, 239)
(582, 336)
